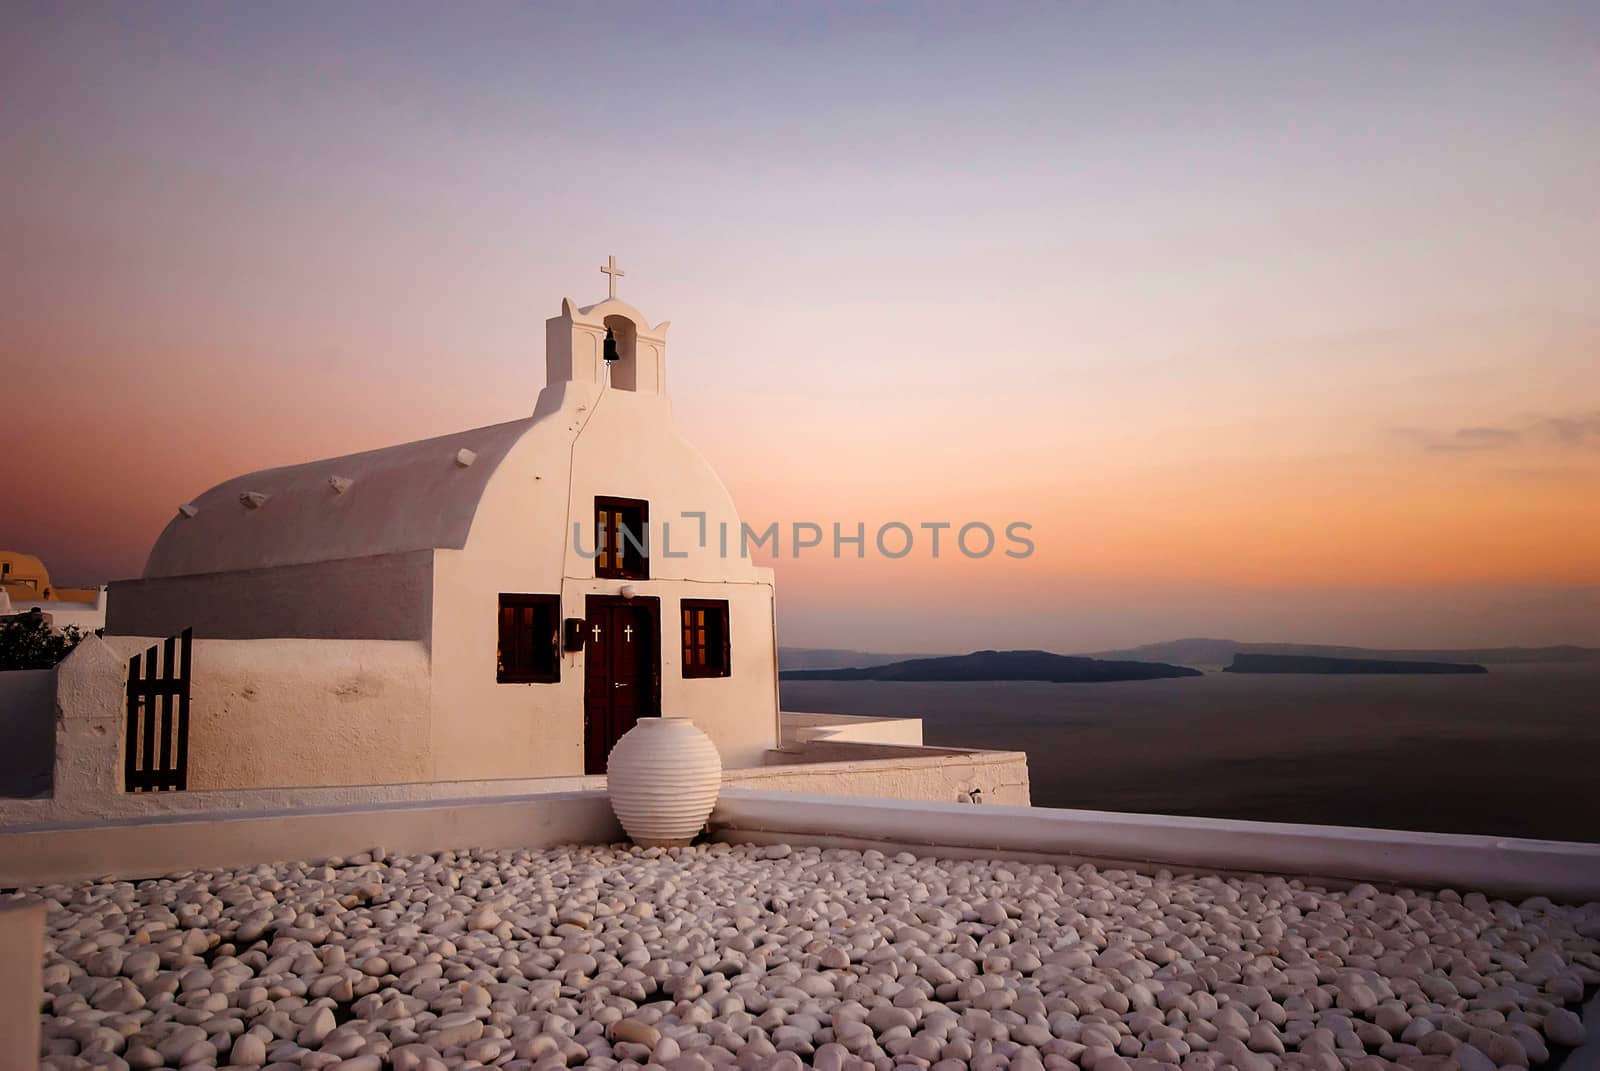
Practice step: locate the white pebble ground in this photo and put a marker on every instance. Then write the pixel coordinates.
(772, 957)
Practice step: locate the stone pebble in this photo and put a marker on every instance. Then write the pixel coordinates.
(723, 957)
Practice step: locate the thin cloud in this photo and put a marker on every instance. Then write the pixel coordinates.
(1579, 432)
(1472, 440)
(1582, 432)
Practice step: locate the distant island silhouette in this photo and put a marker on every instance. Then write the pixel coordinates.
(999, 666)
(1217, 653)
(1211, 652)
(1274, 663)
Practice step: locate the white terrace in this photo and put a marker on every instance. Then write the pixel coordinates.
(839, 932)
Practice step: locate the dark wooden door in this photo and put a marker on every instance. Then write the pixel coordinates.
(622, 681)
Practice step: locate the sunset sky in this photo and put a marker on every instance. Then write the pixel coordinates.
(1277, 322)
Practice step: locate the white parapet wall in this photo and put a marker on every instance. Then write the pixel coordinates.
(265, 714)
(150, 847)
(302, 712)
(951, 775)
(121, 806)
(795, 727)
(146, 848)
(1501, 865)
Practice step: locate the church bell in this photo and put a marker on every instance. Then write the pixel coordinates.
(610, 352)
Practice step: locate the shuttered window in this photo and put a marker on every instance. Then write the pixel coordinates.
(622, 538)
(530, 638)
(706, 651)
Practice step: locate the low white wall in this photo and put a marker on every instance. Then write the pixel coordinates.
(892, 771)
(49, 812)
(27, 730)
(152, 847)
(262, 714)
(304, 712)
(800, 728)
(1500, 865)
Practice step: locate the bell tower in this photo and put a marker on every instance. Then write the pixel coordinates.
(609, 344)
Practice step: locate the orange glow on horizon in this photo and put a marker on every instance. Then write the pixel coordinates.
(1263, 358)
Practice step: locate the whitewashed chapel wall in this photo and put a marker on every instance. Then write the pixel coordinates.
(593, 442)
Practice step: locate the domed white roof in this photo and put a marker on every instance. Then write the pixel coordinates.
(415, 496)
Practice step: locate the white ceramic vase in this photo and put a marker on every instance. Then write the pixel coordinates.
(663, 777)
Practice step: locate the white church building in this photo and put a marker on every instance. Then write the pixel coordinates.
(502, 602)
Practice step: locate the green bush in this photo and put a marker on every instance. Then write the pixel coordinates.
(28, 642)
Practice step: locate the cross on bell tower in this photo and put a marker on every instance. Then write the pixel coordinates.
(611, 270)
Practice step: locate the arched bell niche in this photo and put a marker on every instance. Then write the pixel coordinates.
(575, 347)
(625, 369)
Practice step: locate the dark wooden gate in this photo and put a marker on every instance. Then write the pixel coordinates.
(157, 754)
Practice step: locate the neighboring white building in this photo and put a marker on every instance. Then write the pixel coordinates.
(84, 615)
(25, 585)
(442, 601)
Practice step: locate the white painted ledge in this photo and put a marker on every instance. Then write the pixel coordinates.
(891, 771)
(149, 845)
(155, 845)
(114, 805)
(1501, 865)
(796, 727)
